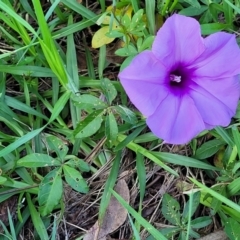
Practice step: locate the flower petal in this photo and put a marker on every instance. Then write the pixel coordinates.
(176, 120)
(178, 41)
(143, 81)
(216, 100)
(220, 59)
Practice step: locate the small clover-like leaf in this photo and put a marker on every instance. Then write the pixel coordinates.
(37, 160)
(108, 89)
(89, 125)
(99, 38)
(75, 179)
(170, 209)
(232, 229)
(50, 191)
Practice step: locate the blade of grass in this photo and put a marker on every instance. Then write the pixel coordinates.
(225, 136)
(109, 184)
(150, 11)
(138, 149)
(58, 107)
(79, 8)
(12, 228)
(33, 71)
(20, 141)
(154, 232)
(26, 6)
(101, 60)
(20, 20)
(36, 219)
(14, 103)
(236, 137)
(232, 6)
(72, 67)
(135, 5)
(135, 230)
(183, 160)
(50, 51)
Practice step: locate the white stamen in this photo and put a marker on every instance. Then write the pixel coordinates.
(175, 78)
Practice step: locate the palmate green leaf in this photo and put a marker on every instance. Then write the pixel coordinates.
(86, 101)
(126, 51)
(37, 160)
(147, 43)
(168, 232)
(182, 235)
(93, 83)
(111, 128)
(232, 229)
(137, 17)
(75, 179)
(170, 209)
(209, 148)
(193, 3)
(126, 114)
(153, 231)
(89, 125)
(201, 222)
(57, 145)
(75, 162)
(50, 191)
(2, 179)
(192, 234)
(109, 90)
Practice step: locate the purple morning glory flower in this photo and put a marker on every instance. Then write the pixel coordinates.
(186, 83)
